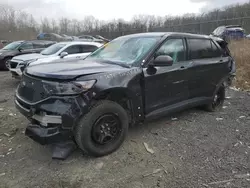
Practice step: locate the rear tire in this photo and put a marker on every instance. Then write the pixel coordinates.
(103, 129)
(218, 100)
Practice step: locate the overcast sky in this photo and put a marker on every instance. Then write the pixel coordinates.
(110, 9)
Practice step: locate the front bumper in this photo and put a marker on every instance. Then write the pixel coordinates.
(52, 120)
(16, 73)
(46, 136)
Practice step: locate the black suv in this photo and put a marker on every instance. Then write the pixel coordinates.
(19, 48)
(128, 80)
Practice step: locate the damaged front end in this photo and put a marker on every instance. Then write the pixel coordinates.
(53, 108)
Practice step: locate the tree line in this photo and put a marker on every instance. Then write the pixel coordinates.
(15, 24)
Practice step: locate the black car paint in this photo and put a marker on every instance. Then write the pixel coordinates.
(151, 90)
(8, 54)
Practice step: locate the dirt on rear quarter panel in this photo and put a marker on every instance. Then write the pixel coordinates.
(190, 149)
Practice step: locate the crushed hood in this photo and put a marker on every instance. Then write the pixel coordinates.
(71, 69)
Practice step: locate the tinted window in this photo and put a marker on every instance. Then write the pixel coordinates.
(37, 45)
(202, 48)
(174, 48)
(26, 46)
(88, 48)
(215, 50)
(75, 49)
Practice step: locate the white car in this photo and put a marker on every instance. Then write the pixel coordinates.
(61, 50)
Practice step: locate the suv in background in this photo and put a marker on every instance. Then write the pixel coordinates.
(229, 32)
(61, 50)
(21, 47)
(129, 80)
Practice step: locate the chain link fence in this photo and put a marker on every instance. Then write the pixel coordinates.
(203, 27)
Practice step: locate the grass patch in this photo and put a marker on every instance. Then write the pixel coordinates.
(241, 53)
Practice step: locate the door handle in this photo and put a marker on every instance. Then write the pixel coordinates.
(182, 67)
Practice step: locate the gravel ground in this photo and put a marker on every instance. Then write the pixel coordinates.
(191, 149)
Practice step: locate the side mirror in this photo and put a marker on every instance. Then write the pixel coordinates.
(63, 54)
(20, 49)
(163, 60)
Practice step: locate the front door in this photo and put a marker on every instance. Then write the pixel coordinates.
(167, 85)
(26, 48)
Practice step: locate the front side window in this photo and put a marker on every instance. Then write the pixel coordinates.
(173, 48)
(125, 50)
(53, 49)
(26, 46)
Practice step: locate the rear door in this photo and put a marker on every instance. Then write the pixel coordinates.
(87, 49)
(38, 47)
(208, 66)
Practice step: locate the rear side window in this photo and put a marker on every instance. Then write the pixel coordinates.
(88, 48)
(203, 48)
(216, 52)
(37, 45)
(75, 49)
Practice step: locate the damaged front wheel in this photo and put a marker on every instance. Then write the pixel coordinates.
(102, 130)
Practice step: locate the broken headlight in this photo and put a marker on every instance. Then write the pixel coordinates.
(67, 88)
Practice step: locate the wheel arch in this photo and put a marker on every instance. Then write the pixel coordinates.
(128, 99)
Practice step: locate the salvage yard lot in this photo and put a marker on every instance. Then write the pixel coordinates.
(191, 149)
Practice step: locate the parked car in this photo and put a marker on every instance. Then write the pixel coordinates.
(129, 80)
(53, 37)
(96, 38)
(61, 50)
(229, 32)
(21, 47)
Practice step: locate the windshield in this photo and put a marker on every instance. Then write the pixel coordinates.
(53, 49)
(12, 46)
(125, 50)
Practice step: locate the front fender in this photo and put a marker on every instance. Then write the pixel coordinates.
(135, 99)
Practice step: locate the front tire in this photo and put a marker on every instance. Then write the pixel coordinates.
(5, 63)
(103, 129)
(218, 100)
